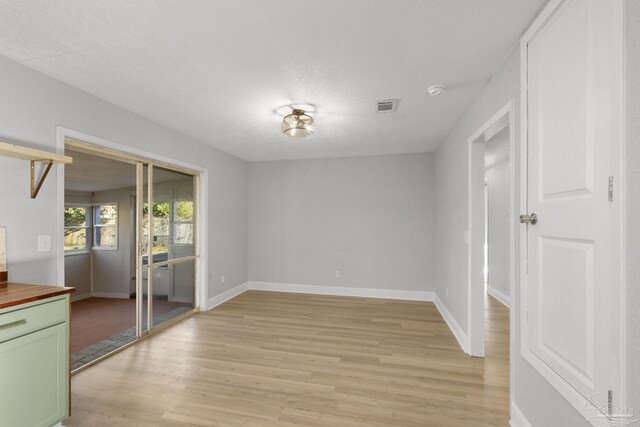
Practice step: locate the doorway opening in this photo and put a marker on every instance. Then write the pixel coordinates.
(491, 236)
(131, 248)
(497, 215)
(497, 247)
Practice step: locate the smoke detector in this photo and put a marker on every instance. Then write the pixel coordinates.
(386, 106)
(436, 90)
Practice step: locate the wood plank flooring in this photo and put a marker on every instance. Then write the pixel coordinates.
(276, 359)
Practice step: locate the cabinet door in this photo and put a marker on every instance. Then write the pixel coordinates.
(34, 383)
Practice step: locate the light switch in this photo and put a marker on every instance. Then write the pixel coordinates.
(44, 243)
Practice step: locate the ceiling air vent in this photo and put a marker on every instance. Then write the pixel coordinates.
(387, 106)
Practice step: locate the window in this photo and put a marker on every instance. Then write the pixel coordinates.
(160, 221)
(77, 225)
(105, 226)
(183, 223)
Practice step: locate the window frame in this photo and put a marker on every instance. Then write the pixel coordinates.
(96, 226)
(88, 228)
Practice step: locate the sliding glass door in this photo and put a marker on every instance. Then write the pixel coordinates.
(167, 244)
(100, 253)
(131, 247)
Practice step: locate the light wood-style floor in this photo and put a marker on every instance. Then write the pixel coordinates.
(275, 359)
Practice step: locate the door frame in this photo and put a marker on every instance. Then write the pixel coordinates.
(476, 230)
(570, 394)
(200, 174)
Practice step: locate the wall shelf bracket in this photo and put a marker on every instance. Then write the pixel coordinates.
(34, 156)
(35, 187)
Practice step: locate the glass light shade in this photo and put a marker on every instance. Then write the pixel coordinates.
(298, 125)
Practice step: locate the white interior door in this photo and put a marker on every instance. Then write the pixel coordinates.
(571, 283)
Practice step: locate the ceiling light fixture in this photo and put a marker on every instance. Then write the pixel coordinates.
(298, 125)
(436, 90)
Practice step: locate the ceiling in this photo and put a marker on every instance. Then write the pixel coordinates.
(224, 71)
(91, 173)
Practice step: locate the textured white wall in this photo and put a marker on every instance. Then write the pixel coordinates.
(77, 272)
(77, 267)
(31, 106)
(112, 268)
(451, 185)
(369, 217)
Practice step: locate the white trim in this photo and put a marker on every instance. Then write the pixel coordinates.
(185, 300)
(517, 417)
(78, 297)
(342, 291)
(105, 248)
(59, 245)
(550, 9)
(77, 252)
(524, 205)
(89, 228)
(512, 255)
(118, 295)
(94, 227)
(425, 296)
(475, 292)
(453, 325)
(201, 239)
(622, 202)
(499, 295)
(227, 295)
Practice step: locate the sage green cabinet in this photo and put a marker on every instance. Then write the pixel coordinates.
(34, 363)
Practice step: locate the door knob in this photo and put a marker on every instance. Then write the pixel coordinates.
(529, 219)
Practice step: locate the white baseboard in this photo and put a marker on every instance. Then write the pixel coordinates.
(342, 291)
(118, 295)
(460, 336)
(186, 300)
(517, 417)
(226, 296)
(78, 297)
(499, 295)
(453, 325)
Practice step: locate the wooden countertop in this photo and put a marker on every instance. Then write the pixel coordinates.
(19, 293)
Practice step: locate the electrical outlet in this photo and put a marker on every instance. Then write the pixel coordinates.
(44, 243)
(337, 274)
(446, 292)
(222, 279)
